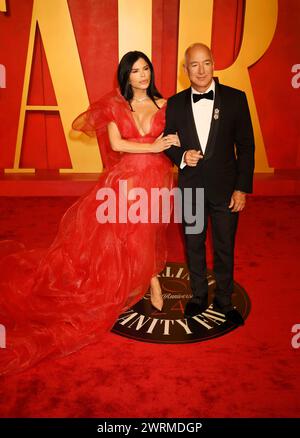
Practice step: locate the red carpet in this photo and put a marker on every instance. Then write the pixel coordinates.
(251, 372)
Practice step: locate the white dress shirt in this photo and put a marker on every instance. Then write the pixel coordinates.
(202, 112)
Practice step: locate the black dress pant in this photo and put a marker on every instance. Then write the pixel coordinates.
(223, 225)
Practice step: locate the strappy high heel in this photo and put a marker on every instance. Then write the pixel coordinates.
(157, 302)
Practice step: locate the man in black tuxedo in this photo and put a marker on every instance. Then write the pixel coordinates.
(217, 153)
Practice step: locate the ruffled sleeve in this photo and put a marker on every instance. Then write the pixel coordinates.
(95, 119)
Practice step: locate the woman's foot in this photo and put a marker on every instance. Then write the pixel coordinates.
(156, 294)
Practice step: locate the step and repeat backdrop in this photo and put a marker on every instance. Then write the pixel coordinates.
(57, 56)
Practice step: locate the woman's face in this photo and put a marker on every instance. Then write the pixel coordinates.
(140, 75)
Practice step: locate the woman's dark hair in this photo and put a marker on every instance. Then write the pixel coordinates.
(124, 70)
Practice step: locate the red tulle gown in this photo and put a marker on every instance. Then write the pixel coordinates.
(54, 301)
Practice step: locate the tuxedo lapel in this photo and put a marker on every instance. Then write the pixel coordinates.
(190, 122)
(214, 125)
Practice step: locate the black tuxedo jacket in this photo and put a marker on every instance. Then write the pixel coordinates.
(228, 162)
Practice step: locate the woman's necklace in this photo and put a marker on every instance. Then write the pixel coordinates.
(141, 99)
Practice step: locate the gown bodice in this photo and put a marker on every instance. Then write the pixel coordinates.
(114, 108)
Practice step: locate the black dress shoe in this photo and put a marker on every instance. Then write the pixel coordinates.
(192, 308)
(235, 317)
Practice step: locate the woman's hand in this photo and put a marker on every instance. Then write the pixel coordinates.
(163, 143)
(175, 139)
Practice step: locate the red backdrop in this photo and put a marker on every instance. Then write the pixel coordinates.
(96, 29)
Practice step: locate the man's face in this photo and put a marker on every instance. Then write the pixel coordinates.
(200, 68)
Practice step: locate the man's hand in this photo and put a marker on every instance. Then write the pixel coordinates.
(238, 201)
(192, 157)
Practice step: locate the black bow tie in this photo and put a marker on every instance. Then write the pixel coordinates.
(209, 95)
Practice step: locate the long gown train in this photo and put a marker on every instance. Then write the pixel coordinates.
(54, 301)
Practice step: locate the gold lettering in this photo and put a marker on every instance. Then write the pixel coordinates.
(195, 24)
(54, 21)
(135, 26)
(3, 7)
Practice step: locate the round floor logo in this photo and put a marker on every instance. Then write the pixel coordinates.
(143, 323)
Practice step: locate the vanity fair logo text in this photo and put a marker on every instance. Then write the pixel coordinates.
(143, 323)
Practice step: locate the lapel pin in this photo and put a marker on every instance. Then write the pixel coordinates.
(216, 113)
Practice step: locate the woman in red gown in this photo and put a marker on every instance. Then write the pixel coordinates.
(57, 300)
